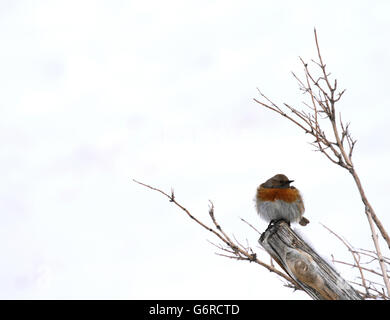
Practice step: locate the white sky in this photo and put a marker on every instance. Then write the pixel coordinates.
(95, 93)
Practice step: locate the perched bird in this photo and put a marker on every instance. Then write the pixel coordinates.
(276, 200)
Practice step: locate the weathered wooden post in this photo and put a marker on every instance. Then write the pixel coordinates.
(304, 265)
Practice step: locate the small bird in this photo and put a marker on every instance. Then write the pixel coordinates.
(277, 200)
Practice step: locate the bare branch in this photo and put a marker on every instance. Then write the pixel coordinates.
(354, 255)
(324, 95)
(236, 250)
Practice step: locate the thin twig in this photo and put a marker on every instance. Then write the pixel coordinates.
(238, 252)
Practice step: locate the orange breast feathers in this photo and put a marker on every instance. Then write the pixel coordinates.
(272, 194)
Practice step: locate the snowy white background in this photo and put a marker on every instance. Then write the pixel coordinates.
(95, 93)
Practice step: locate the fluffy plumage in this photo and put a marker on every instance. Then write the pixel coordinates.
(276, 199)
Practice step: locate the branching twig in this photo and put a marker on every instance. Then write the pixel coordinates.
(324, 95)
(235, 249)
(356, 254)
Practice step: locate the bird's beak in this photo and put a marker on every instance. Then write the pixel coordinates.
(290, 181)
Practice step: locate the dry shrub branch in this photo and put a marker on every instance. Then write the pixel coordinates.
(336, 144)
(231, 247)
